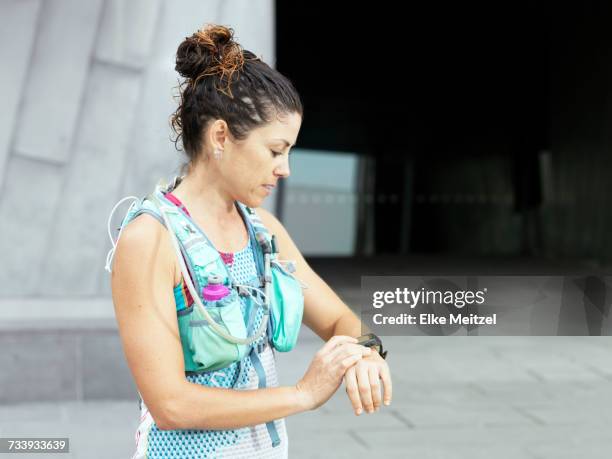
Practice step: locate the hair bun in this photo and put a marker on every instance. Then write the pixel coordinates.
(211, 50)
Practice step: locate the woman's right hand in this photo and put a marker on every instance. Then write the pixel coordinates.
(325, 373)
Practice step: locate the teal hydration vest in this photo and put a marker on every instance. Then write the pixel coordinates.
(204, 348)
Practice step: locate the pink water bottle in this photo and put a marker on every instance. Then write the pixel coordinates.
(215, 290)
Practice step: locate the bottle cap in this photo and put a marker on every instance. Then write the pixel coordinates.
(215, 290)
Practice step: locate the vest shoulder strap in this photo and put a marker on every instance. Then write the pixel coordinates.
(258, 225)
(146, 207)
(192, 241)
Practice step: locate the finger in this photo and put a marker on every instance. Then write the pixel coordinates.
(345, 349)
(334, 341)
(363, 383)
(374, 386)
(350, 379)
(346, 364)
(385, 375)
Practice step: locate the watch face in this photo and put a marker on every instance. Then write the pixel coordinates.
(372, 341)
(366, 340)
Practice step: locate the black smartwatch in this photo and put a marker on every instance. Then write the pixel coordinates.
(373, 341)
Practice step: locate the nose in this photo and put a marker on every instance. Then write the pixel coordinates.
(282, 170)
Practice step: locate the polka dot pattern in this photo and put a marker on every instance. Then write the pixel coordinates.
(247, 442)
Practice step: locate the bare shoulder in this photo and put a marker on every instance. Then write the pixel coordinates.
(144, 240)
(269, 220)
(144, 226)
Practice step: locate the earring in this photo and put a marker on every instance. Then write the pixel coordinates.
(217, 153)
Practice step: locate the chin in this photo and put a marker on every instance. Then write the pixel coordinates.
(252, 202)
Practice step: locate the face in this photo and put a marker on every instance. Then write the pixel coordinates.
(252, 167)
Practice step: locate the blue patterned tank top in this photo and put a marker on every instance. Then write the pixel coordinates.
(245, 442)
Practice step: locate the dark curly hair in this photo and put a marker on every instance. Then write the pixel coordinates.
(223, 81)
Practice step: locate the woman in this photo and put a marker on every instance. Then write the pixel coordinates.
(237, 120)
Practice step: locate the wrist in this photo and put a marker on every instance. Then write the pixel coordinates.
(302, 398)
(373, 342)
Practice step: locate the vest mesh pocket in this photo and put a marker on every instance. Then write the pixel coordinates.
(287, 309)
(209, 350)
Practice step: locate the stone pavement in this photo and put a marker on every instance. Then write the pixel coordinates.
(454, 397)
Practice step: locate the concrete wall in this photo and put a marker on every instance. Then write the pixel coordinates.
(87, 91)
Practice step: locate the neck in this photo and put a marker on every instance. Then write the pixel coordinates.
(202, 192)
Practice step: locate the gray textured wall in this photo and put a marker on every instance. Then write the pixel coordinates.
(87, 89)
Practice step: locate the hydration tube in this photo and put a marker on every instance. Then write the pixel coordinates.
(111, 252)
(196, 297)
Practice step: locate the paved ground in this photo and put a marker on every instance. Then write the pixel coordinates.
(454, 397)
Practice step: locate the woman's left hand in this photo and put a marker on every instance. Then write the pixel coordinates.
(362, 382)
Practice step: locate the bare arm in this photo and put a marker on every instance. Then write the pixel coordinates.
(236, 408)
(324, 312)
(327, 315)
(202, 407)
(142, 285)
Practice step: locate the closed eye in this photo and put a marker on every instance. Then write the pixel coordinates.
(275, 153)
